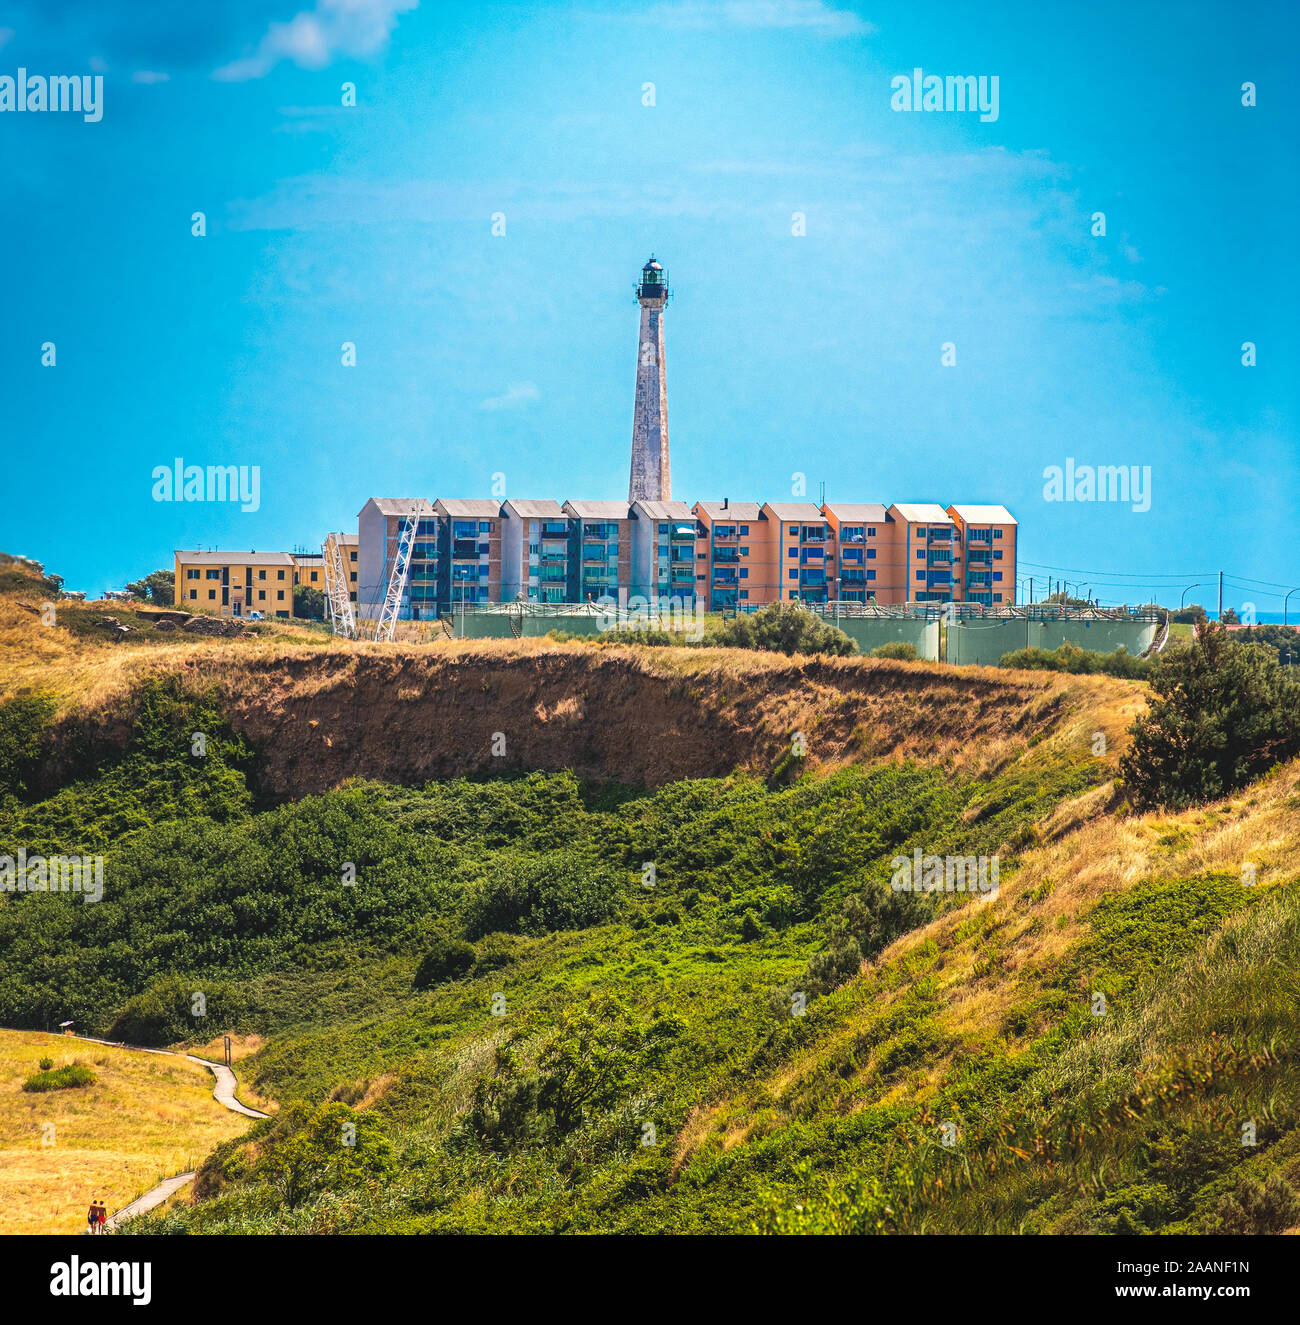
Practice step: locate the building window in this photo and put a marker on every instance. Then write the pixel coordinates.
(212, 593)
(744, 531)
(279, 575)
(485, 526)
(279, 593)
(997, 577)
(194, 593)
(794, 552)
(261, 575)
(744, 593)
(997, 533)
(920, 575)
(794, 574)
(261, 595)
(191, 575)
(744, 573)
(920, 553)
(871, 554)
(997, 555)
(871, 575)
(871, 531)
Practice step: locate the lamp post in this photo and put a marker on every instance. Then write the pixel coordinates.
(1182, 597)
(1286, 600)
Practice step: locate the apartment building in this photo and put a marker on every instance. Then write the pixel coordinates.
(797, 531)
(663, 551)
(469, 551)
(987, 535)
(525, 525)
(233, 584)
(858, 539)
(379, 530)
(600, 550)
(728, 555)
(733, 557)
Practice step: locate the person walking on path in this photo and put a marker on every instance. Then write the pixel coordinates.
(92, 1217)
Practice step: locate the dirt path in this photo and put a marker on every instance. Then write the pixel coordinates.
(223, 1091)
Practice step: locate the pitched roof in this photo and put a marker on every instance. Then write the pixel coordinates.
(399, 505)
(983, 514)
(598, 510)
(662, 510)
(217, 558)
(922, 512)
(477, 508)
(736, 510)
(856, 513)
(794, 510)
(525, 509)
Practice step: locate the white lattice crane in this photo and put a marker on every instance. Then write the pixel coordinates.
(397, 581)
(338, 594)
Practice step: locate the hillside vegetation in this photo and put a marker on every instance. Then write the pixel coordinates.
(648, 970)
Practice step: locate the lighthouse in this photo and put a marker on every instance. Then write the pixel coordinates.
(650, 479)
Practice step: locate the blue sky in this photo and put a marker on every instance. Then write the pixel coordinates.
(817, 353)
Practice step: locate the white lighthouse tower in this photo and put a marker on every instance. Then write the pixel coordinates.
(650, 479)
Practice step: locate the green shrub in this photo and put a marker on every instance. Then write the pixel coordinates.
(25, 722)
(448, 959)
(540, 893)
(1221, 714)
(783, 628)
(46, 1064)
(172, 1009)
(63, 1078)
(1081, 662)
(896, 648)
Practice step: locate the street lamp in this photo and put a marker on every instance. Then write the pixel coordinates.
(1188, 590)
(1285, 600)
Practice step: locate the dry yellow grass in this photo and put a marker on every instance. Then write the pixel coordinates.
(147, 1117)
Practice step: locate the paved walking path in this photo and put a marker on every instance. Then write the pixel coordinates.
(223, 1091)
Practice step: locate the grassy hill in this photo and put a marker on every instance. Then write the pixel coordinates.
(646, 970)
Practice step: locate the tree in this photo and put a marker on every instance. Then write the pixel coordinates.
(308, 603)
(158, 586)
(1223, 712)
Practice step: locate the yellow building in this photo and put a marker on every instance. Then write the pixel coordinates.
(236, 584)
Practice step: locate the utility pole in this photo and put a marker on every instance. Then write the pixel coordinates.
(1220, 597)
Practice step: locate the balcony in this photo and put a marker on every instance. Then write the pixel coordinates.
(728, 556)
(725, 576)
(464, 548)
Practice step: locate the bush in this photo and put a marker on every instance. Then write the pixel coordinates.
(898, 649)
(1081, 662)
(536, 894)
(64, 1078)
(46, 1064)
(1259, 1207)
(447, 959)
(1223, 713)
(783, 628)
(171, 1010)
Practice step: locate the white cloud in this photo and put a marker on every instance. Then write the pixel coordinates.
(808, 15)
(149, 76)
(517, 395)
(314, 37)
